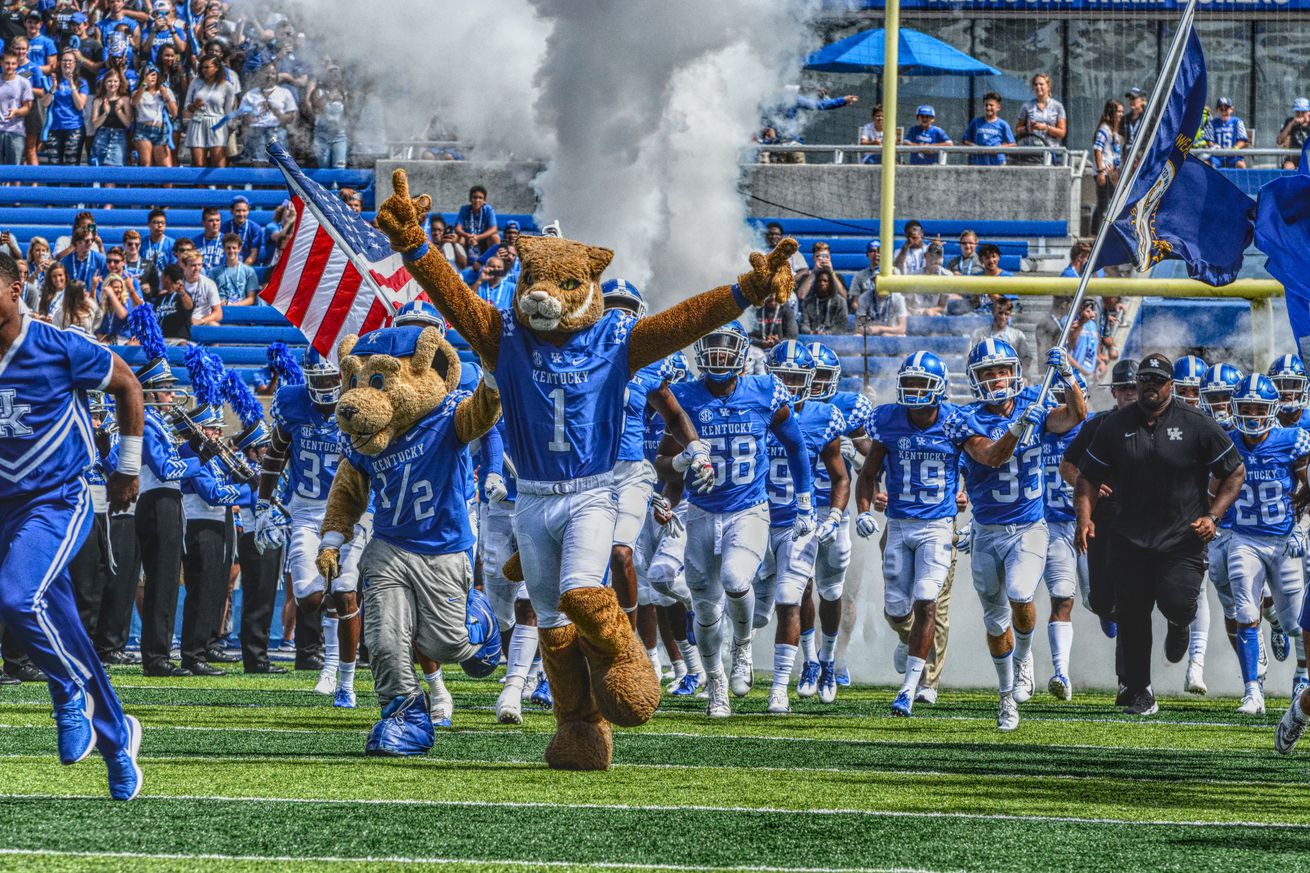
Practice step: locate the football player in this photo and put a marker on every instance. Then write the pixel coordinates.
(1287, 372)
(728, 527)
(911, 449)
(1189, 371)
(1004, 480)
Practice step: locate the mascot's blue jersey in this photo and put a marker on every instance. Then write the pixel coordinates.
(563, 405)
(45, 426)
(921, 465)
(820, 424)
(1012, 492)
(646, 380)
(1059, 493)
(734, 428)
(1264, 506)
(417, 484)
(315, 447)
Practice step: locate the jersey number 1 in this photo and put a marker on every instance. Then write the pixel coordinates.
(560, 442)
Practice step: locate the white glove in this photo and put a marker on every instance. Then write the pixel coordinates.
(495, 488)
(270, 526)
(829, 527)
(964, 539)
(866, 525)
(696, 457)
(848, 450)
(1295, 547)
(666, 517)
(803, 526)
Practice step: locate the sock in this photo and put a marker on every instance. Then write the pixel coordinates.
(741, 611)
(331, 648)
(827, 647)
(346, 675)
(654, 655)
(1271, 616)
(1023, 644)
(1298, 642)
(679, 668)
(691, 657)
(807, 646)
(1004, 672)
(784, 658)
(1248, 653)
(1262, 662)
(709, 639)
(536, 665)
(913, 672)
(522, 652)
(1060, 634)
(1198, 632)
(436, 687)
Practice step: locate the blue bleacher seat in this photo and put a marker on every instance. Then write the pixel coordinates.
(243, 335)
(261, 314)
(945, 325)
(952, 228)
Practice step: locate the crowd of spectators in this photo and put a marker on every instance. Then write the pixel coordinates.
(167, 82)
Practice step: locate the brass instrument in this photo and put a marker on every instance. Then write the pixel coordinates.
(208, 447)
(180, 395)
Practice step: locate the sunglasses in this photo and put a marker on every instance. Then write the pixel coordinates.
(1151, 379)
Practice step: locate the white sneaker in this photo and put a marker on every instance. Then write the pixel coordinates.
(1060, 687)
(743, 668)
(716, 688)
(926, 695)
(1024, 684)
(778, 702)
(1007, 719)
(1289, 729)
(1195, 681)
(327, 681)
(509, 706)
(1253, 703)
(899, 656)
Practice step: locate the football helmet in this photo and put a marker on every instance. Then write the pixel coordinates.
(1217, 392)
(721, 353)
(1056, 397)
(420, 313)
(827, 372)
(1288, 375)
(322, 378)
(989, 354)
(929, 373)
(675, 368)
(1255, 404)
(793, 364)
(622, 294)
(1189, 370)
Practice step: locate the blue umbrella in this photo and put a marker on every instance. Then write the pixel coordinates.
(920, 55)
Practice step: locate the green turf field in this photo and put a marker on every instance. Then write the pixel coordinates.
(261, 773)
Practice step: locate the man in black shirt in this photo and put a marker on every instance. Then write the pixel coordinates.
(173, 305)
(1158, 456)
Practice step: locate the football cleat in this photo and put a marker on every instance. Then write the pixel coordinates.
(1007, 718)
(1060, 687)
(827, 682)
(327, 681)
(1194, 683)
(843, 676)
(344, 698)
(1024, 684)
(716, 688)
(808, 684)
(1253, 703)
(1290, 728)
(899, 657)
(541, 694)
(902, 705)
(1279, 644)
(509, 706)
(440, 706)
(686, 686)
(77, 736)
(926, 695)
(1299, 684)
(1139, 703)
(405, 729)
(778, 702)
(125, 775)
(743, 668)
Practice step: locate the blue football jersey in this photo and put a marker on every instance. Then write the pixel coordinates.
(855, 408)
(734, 428)
(1264, 506)
(417, 484)
(652, 435)
(1011, 493)
(1059, 493)
(315, 448)
(921, 465)
(564, 404)
(646, 380)
(45, 425)
(820, 424)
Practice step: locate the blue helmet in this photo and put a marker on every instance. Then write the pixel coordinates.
(675, 368)
(827, 372)
(793, 364)
(928, 371)
(322, 378)
(1255, 404)
(420, 313)
(993, 352)
(484, 632)
(1289, 378)
(1217, 391)
(622, 294)
(721, 353)
(1189, 370)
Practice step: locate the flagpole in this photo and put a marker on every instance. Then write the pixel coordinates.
(1151, 119)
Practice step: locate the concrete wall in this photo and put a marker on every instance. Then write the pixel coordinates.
(829, 190)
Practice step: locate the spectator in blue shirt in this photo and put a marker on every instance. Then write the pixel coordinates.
(1226, 131)
(84, 264)
(65, 101)
(115, 17)
(1107, 155)
(1085, 340)
(1079, 252)
(989, 130)
(476, 224)
(492, 286)
(34, 121)
(158, 247)
(250, 234)
(210, 242)
(42, 50)
(926, 133)
(236, 281)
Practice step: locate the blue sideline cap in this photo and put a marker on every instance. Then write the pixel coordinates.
(927, 110)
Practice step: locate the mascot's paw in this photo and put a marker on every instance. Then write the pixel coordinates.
(512, 569)
(401, 216)
(328, 564)
(623, 684)
(580, 745)
(770, 274)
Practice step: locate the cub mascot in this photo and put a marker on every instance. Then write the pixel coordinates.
(408, 428)
(562, 363)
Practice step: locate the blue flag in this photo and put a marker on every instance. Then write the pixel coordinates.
(1178, 206)
(1282, 232)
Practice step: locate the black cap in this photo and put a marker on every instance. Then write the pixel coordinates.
(1124, 372)
(1134, 93)
(1156, 365)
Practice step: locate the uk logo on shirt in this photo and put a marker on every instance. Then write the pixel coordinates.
(1175, 433)
(11, 415)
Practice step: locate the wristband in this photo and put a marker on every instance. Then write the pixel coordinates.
(415, 254)
(333, 539)
(739, 297)
(129, 456)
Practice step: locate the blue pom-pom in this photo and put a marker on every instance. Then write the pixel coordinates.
(243, 400)
(284, 364)
(144, 327)
(206, 372)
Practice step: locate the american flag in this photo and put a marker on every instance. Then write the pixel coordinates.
(338, 275)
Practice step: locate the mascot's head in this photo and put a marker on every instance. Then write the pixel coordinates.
(390, 379)
(559, 287)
